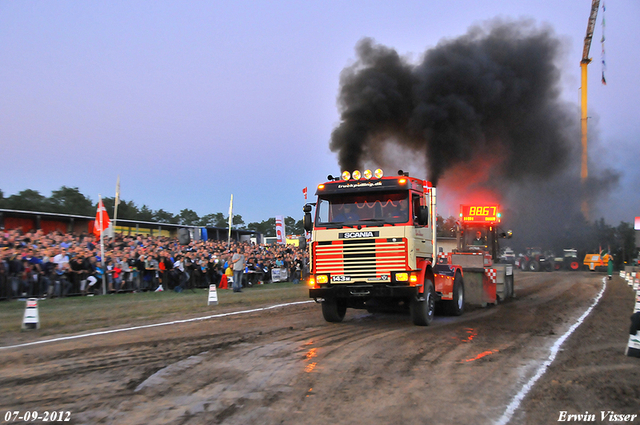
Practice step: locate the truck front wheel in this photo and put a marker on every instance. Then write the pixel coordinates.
(334, 310)
(423, 306)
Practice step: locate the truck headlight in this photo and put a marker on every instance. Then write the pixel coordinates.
(402, 277)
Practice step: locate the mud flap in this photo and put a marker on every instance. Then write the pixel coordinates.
(444, 285)
(503, 271)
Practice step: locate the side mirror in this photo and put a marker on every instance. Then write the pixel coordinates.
(307, 222)
(423, 216)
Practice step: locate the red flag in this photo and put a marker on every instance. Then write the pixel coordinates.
(102, 220)
(304, 191)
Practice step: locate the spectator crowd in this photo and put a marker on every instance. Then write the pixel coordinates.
(35, 264)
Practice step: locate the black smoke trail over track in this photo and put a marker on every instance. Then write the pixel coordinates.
(486, 104)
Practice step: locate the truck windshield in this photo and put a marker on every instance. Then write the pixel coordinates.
(362, 209)
(475, 238)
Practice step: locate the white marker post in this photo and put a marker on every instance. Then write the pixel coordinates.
(213, 295)
(31, 318)
(633, 348)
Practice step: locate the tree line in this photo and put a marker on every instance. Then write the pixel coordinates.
(69, 200)
(579, 234)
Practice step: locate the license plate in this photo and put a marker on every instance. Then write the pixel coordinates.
(340, 278)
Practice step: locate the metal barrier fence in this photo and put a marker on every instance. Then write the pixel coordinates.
(13, 286)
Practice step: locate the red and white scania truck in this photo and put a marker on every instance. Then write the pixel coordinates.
(373, 246)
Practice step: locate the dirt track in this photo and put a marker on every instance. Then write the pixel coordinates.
(289, 366)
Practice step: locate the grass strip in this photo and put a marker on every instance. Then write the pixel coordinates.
(78, 314)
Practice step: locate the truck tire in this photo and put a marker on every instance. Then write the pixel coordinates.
(574, 266)
(511, 292)
(523, 266)
(534, 266)
(333, 310)
(423, 307)
(455, 307)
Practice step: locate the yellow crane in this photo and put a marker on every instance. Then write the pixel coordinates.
(584, 172)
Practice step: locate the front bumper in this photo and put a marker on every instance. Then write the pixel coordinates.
(363, 291)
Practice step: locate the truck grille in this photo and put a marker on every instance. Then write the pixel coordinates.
(361, 259)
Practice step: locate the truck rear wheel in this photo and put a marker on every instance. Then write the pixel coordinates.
(333, 310)
(455, 307)
(423, 307)
(534, 266)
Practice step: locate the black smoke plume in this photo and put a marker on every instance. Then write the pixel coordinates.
(481, 110)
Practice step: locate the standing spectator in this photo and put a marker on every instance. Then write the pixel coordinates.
(213, 271)
(238, 268)
(297, 269)
(127, 274)
(62, 273)
(117, 274)
(79, 272)
(46, 272)
(141, 285)
(151, 272)
(182, 277)
(134, 277)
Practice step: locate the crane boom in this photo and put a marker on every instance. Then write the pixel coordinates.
(595, 4)
(584, 171)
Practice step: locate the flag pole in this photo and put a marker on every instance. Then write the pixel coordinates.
(230, 221)
(104, 279)
(115, 208)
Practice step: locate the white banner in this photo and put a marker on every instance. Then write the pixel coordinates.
(279, 275)
(280, 230)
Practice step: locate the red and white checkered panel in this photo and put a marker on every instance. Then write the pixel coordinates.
(492, 274)
(443, 258)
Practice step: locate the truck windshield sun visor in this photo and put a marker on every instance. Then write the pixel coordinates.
(366, 209)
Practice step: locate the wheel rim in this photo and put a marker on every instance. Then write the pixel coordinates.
(430, 305)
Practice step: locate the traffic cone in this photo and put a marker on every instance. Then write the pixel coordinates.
(633, 348)
(31, 318)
